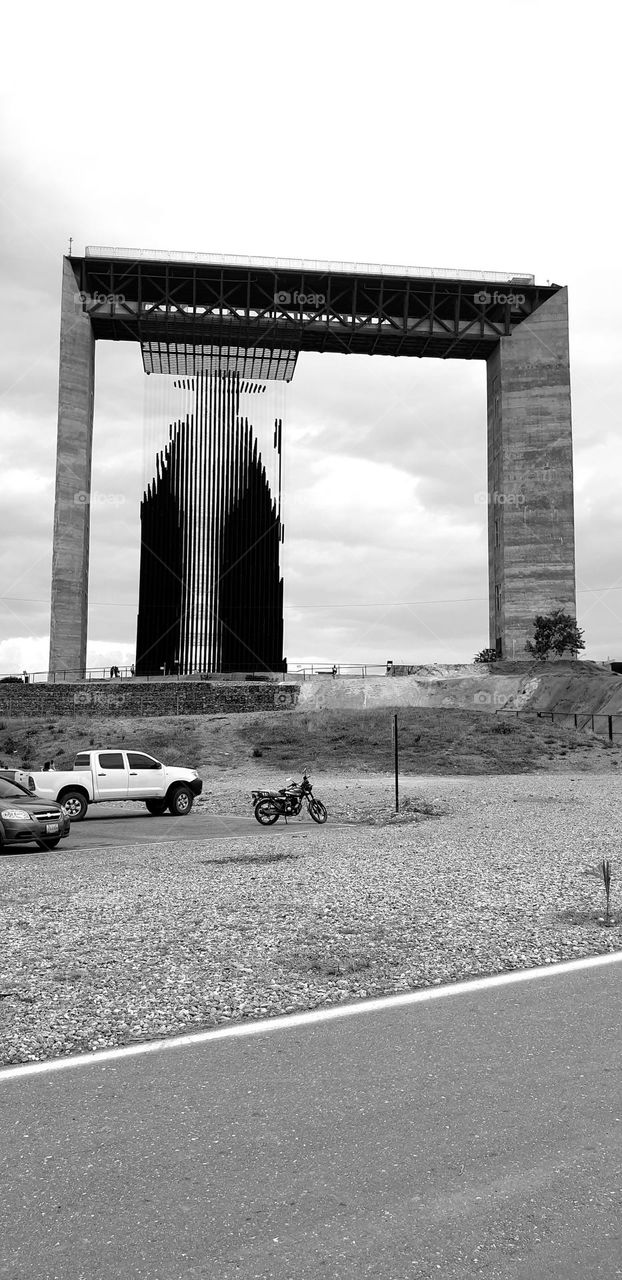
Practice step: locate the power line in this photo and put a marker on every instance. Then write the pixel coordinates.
(386, 604)
(352, 604)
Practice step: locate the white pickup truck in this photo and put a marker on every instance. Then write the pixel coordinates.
(103, 775)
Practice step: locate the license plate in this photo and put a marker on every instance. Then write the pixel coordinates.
(50, 828)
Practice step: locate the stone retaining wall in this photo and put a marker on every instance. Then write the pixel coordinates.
(135, 698)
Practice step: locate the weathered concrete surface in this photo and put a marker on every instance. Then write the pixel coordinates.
(70, 556)
(565, 687)
(406, 691)
(530, 477)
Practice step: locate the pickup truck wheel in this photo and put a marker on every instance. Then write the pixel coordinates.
(156, 806)
(75, 805)
(180, 802)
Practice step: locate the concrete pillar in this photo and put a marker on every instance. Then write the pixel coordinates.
(70, 554)
(531, 559)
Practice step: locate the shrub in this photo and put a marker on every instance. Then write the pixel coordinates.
(556, 632)
(486, 655)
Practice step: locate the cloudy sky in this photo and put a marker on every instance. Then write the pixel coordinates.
(480, 136)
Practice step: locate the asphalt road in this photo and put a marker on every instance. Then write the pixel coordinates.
(478, 1135)
(106, 825)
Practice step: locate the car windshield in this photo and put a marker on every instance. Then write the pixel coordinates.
(12, 790)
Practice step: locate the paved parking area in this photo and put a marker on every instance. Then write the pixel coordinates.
(107, 825)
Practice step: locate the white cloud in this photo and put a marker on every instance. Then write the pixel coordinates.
(24, 653)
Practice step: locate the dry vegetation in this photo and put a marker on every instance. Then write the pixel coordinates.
(432, 741)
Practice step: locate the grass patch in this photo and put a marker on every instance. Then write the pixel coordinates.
(432, 740)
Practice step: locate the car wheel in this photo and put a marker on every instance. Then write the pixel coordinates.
(75, 805)
(49, 844)
(156, 806)
(180, 802)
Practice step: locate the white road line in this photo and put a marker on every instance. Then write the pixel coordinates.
(287, 1021)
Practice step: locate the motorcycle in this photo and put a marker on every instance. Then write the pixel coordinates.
(269, 806)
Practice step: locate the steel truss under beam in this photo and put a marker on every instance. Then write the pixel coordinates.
(169, 303)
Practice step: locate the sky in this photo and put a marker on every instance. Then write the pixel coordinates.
(480, 136)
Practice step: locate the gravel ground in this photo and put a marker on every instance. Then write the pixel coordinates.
(131, 942)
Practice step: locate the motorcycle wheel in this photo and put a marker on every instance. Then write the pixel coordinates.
(317, 810)
(266, 812)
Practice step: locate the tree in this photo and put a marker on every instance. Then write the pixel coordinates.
(486, 655)
(556, 632)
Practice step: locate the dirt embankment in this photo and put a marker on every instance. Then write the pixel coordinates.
(566, 687)
(443, 740)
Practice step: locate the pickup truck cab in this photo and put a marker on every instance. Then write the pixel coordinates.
(117, 774)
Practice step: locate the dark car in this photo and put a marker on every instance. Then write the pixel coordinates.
(25, 819)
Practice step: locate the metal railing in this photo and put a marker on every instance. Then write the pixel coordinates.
(127, 673)
(58, 677)
(341, 669)
(603, 724)
(305, 265)
(304, 669)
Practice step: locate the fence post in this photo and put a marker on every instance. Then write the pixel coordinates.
(397, 798)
